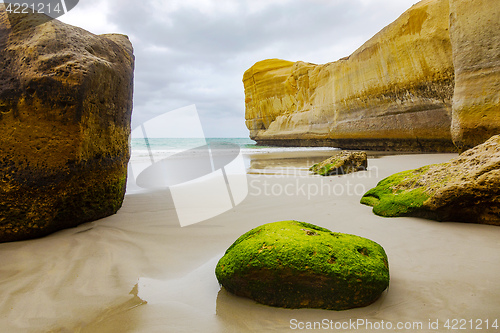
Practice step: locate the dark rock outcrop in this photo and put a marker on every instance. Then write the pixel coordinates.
(465, 189)
(294, 264)
(65, 108)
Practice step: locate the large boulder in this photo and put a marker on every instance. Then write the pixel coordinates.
(65, 108)
(465, 189)
(343, 163)
(475, 38)
(299, 265)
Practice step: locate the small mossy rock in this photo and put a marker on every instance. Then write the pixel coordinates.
(343, 163)
(295, 264)
(465, 189)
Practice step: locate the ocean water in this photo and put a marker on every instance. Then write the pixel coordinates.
(158, 148)
(168, 146)
(167, 161)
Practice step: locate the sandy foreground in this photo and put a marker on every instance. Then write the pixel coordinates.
(139, 271)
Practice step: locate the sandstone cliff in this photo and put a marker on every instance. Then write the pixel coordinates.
(394, 93)
(475, 36)
(65, 107)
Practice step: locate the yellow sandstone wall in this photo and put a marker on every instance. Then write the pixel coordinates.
(394, 92)
(475, 36)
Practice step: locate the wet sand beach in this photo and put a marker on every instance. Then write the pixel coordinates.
(139, 271)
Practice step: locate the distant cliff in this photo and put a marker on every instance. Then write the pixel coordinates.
(394, 93)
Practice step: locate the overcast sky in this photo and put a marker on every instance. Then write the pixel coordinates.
(196, 51)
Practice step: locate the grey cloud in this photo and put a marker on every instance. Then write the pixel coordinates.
(189, 57)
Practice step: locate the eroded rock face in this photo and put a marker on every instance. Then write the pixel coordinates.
(475, 37)
(299, 265)
(66, 102)
(343, 163)
(465, 189)
(393, 93)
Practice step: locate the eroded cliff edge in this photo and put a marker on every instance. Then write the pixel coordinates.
(395, 92)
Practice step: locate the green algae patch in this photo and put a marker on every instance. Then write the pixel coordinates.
(397, 195)
(295, 264)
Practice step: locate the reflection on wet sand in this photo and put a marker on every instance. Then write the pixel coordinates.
(139, 271)
(303, 160)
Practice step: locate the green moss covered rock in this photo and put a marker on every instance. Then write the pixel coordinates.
(295, 264)
(343, 163)
(465, 189)
(396, 195)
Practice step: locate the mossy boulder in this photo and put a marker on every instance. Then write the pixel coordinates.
(295, 264)
(465, 189)
(343, 163)
(65, 109)
(395, 195)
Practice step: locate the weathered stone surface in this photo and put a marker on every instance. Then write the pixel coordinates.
(465, 189)
(65, 102)
(343, 163)
(393, 93)
(296, 265)
(475, 38)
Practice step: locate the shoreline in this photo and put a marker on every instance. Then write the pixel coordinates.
(98, 276)
(424, 146)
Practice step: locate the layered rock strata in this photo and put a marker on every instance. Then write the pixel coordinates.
(475, 37)
(430, 77)
(393, 93)
(465, 189)
(65, 102)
